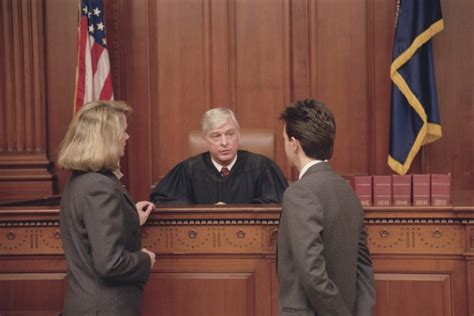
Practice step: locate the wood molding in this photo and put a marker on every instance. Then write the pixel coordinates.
(23, 159)
(422, 258)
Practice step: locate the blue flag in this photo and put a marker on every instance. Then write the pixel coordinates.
(415, 117)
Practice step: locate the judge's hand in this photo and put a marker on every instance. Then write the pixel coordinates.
(144, 209)
(151, 255)
(220, 203)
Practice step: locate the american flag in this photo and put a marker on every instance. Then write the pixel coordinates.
(93, 76)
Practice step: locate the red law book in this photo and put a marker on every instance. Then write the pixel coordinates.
(363, 189)
(440, 189)
(401, 190)
(382, 190)
(421, 189)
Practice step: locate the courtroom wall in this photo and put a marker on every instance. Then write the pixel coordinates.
(172, 60)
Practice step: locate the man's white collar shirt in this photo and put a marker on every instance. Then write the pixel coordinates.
(219, 166)
(307, 166)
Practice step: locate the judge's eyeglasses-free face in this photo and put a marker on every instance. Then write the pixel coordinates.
(223, 142)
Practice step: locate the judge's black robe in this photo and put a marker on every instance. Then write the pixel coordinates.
(253, 179)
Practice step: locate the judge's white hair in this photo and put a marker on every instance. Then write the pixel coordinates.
(216, 117)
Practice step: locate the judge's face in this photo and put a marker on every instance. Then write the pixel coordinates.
(223, 142)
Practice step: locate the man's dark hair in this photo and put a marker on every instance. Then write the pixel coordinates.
(312, 124)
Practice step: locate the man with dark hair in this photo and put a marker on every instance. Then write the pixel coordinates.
(324, 265)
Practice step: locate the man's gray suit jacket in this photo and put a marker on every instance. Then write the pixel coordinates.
(324, 266)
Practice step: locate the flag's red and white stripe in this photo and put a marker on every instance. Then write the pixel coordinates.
(93, 76)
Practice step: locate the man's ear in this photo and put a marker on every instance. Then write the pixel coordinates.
(295, 144)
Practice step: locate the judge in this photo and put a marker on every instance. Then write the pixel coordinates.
(224, 174)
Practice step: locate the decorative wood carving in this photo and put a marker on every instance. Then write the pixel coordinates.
(241, 229)
(204, 249)
(32, 240)
(209, 239)
(470, 238)
(23, 158)
(415, 239)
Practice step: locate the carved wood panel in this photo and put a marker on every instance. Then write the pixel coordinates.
(32, 293)
(420, 285)
(198, 293)
(30, 238)
(209, 239)
(414, 294)
(22, 105)
(470, 283)
(423, 262)
(392, 238)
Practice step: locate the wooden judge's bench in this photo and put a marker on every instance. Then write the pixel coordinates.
(220, 260)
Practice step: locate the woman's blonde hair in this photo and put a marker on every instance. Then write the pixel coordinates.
(92, 142)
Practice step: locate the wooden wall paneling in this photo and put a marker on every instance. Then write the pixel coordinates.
(32, 285)
(208, 51)
(220, 44)
(60, 44)
(422, 259)
(403, 284)
(454, 62)
(426, 294)
(370, 21)
(210, 286)
(174, 60)
(469, 254)
(116, 33)
(3, 83)
(116, 39)
(274, 287)
(300, 68)
(232, 54)
(262, 39)
(182, 69)
(470, 284)
(382, 29)
(280, 156)
(23, 158)
(370, 56)
(301, 38)
(338, 78)
(134, 19)
(32, 293)
(198, 294)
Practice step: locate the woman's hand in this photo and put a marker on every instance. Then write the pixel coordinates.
(151, 255)
(144, 209)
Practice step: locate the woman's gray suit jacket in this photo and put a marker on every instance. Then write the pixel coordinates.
(100, 232)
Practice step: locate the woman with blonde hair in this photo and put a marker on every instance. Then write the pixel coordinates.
(99, 223)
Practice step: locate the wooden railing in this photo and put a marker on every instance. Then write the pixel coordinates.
(220, 260)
